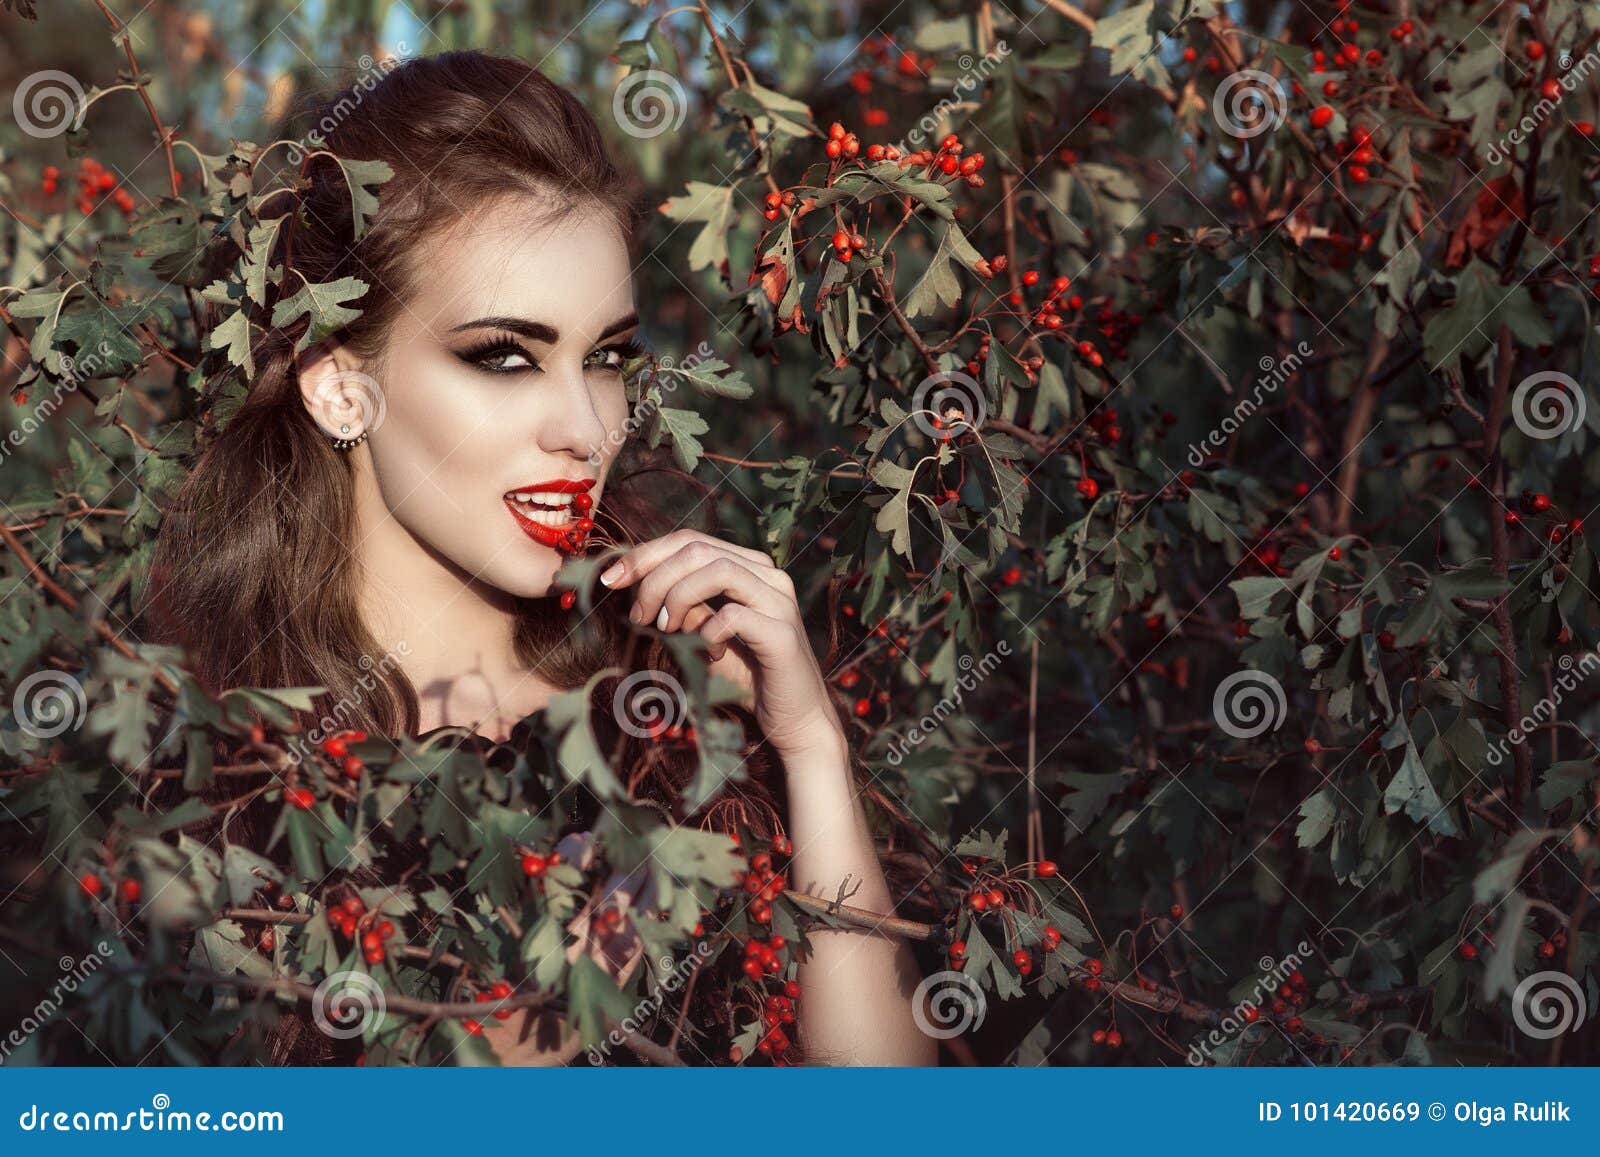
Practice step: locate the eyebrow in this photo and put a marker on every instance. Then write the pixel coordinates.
(542, 331)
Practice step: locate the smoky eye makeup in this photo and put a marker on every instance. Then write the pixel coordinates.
(617, 354)
(498, 354)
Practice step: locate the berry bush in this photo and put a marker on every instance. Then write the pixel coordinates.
(1174, 416)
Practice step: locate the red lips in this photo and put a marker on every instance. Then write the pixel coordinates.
(574, 536)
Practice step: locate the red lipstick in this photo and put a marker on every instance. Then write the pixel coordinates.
(569, 536)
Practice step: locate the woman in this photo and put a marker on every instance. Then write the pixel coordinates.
(409, 488)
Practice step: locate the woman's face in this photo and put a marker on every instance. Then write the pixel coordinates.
(502, 393)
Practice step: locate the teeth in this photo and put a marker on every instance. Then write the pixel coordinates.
(545, 507)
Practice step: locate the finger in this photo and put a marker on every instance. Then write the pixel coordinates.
(694, 619)
(722, 576)
(644, 558)
(651, 591)
(772, 641)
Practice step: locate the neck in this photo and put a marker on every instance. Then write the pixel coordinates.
(452, 636)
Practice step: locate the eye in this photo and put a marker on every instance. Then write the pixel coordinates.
(613, 357)
(499, 357)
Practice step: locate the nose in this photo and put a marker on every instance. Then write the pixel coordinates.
(569, 421)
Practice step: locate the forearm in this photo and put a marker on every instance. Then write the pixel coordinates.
(857, 986)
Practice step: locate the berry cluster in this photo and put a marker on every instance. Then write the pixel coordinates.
(94, 179)
(351, 918)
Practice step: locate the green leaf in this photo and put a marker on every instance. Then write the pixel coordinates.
(1412, 790)
(712, 205)
(324, 304)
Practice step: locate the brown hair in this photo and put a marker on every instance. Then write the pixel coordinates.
(253, 575)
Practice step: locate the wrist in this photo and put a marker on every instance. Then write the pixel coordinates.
(817, 744)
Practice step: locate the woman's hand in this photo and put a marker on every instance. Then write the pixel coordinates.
(757, 637)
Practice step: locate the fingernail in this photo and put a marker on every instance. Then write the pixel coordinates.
(635, 614)
(611, 574)
(661, 619)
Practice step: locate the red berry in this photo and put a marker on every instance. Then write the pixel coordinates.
(1294, 1024)
(1468, 952)
(1335, 554)
(1113, 1039)
(1098, 1036)
(1312, 747)
(130, 891)
(1176, 911)
(1251, 1014)
(1551, 89)
(1094, 966)
(1386, 640)
(533, 864)
(90, 884)
(1045, 868)
(1321, 116)
(1088, 487)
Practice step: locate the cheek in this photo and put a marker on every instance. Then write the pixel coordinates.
(435, 442)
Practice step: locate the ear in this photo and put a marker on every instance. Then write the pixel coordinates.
(342, 400)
